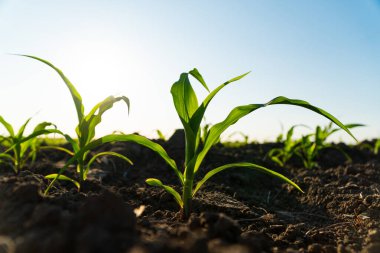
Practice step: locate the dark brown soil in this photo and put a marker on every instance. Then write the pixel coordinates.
(237, 211)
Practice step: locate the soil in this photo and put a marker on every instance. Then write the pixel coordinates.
(238, 210)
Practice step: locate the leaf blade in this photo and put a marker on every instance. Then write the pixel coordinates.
(174, 193)
(73, 91)
(244, 165)
(56, 176)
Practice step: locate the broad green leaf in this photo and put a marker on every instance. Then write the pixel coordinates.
(64, 178)
(184, 98)
(174, 193)
(248, 166)
(108, 153)
(74, 93)
(7, 126)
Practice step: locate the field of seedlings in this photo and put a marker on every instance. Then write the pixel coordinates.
(190, 192)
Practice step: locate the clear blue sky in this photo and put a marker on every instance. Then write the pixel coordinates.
(326, 52)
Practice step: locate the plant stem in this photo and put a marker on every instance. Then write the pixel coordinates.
(187, 197)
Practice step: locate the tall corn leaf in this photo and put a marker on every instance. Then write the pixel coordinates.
(241, 111)
(184, 98)
(186, 103)
(74, 93)
(302, 103)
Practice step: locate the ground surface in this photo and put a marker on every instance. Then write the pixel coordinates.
(237, 211)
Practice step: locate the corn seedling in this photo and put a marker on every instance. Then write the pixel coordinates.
(191, 114)
(85, 130)
(20, 148)
(376, 147)
(282, 155)
(311, 145)
(244, 136)
(160, 135)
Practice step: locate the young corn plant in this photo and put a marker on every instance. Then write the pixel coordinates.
(244, 137)
(20, 148)
(191, 114)
(282, 155)
(312, 144)
(376, 147)
(160, 135)
(86, 141)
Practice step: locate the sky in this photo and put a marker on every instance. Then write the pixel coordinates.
(325, 52)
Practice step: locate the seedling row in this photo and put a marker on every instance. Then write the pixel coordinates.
(20, 149)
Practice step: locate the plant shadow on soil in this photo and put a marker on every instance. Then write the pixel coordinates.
(237, 211)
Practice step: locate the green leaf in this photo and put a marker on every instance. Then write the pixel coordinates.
(174, 193)
(277, 160)
(74, 93)
(67, 164)
(248, 166)
(64, 178)
(43, 125)
(58, 148)
(34, 135)
(195, 73)
(22, 129)
(216, 130)
(304, 104)
(7, 126)
(86, 128)
(109, 153)
(376, 147)
(184, 98)
(7, 156)
(199, 114)
(161, 136)
(139, 140)
(241, 111)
